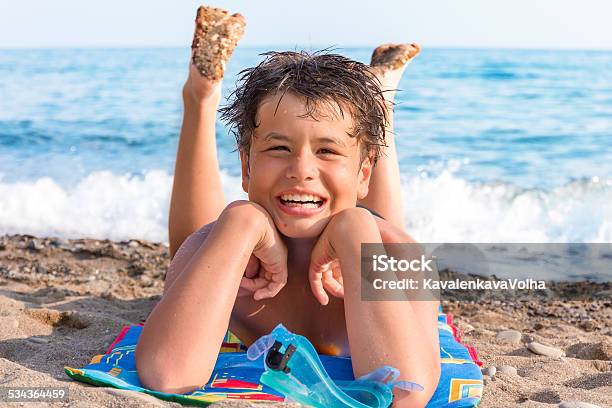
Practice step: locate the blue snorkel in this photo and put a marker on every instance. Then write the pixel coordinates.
(294, 369)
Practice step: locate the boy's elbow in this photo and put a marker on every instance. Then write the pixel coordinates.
(165, 375)
(431, 384)
(419, 399)
(428, 377)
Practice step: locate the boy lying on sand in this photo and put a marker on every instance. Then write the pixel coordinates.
(315, 138)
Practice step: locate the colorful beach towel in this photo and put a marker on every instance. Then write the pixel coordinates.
(236, 377)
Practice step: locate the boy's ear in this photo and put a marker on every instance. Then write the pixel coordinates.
(365, 173)
(244, 160)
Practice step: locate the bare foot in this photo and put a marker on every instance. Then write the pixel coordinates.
(388, 63)
(216, 35)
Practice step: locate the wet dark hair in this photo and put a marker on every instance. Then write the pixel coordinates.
(321, 78)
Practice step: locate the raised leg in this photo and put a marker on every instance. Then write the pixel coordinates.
(197, 195)
(388, 62)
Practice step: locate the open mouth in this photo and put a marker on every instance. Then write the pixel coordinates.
(301, 200)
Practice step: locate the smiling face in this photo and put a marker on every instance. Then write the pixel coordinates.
(302, 170)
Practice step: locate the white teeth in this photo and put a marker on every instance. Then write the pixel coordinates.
(302, 205)
(310, 205)
(302, 198)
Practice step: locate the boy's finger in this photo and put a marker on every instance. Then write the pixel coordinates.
(337, 274)
(252, 268)
(280, 278)
(333, 286)
(253, 284)
(316, 285)
(261, 294)
(274, 271)
(277, 279)
(269, 291)
(273, 281)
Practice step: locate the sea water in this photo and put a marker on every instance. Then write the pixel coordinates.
(494, 145)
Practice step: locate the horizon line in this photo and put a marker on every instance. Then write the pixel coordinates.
(304, 46)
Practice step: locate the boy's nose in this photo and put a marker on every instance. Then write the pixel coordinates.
(302, 167)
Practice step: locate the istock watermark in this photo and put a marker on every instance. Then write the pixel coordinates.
(427, 271)
(382, 263)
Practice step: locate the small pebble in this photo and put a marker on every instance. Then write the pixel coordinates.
(38, 340)
(507, 370)
(59, 242)
(577, 404)
(490, 371)
(543, 350)
(604, 294)
(466, 327)
(34, 245)
(146, 281)
(589, 325)
(107, 295)
(509, 336)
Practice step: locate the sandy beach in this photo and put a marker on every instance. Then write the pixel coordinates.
(64, 301)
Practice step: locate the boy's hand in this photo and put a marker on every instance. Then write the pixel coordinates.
(266, 271)
(325, 274)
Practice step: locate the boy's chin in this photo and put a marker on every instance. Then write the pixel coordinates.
(301, 229)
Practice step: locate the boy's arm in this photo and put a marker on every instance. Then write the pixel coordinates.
(402, 334)
(184, 254)
(180, 341)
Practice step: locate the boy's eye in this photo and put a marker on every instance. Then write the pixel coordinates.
(327, 151)
(280, 148)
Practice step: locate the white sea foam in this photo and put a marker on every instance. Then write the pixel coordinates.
(446, 208)
(102, 205)
(441, 208)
